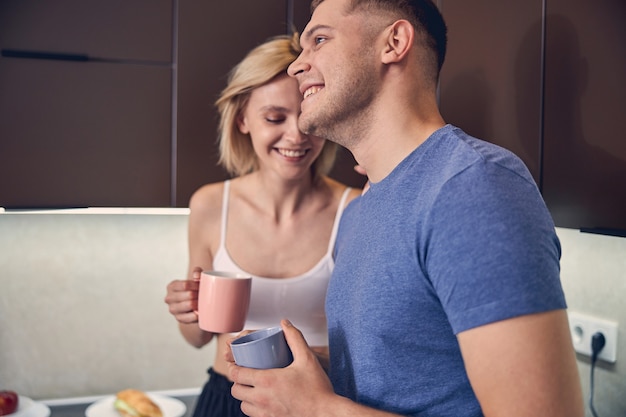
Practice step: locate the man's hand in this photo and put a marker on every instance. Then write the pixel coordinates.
(297, 390)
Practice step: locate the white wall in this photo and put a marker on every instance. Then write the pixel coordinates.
(593, 273)
(82, 311)
(81, 305)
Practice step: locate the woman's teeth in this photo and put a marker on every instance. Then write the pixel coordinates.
(290, 153)
(310, 91)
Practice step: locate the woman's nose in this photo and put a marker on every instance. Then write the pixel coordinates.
(294, 134)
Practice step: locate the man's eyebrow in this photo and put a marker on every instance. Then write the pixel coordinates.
(309, 33)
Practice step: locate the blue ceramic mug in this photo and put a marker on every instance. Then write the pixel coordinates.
(262, 349)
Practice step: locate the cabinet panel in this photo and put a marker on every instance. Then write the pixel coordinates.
(301, 13)
(139, 30)
(84, 134)
(101, 133)
(213, 36)
(491, 80)
(206, 53)
(585, 145)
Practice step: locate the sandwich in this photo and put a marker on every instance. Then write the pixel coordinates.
(135, 403)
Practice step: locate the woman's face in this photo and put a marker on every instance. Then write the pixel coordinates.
(271, 120)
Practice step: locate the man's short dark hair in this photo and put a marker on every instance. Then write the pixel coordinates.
(423, 15)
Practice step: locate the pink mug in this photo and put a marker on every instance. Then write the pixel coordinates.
(223, 301)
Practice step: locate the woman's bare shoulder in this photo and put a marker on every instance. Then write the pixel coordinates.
(207, 200)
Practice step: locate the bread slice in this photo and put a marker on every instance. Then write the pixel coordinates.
(135, 403)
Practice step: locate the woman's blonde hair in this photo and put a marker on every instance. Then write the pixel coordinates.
(260, 66)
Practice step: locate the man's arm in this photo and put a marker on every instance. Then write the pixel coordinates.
(524, 366)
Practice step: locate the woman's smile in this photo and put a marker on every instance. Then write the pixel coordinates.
(292, 153)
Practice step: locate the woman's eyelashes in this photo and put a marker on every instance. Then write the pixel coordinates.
(275, 119)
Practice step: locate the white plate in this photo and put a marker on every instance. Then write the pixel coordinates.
(171, 407)
(30, 408)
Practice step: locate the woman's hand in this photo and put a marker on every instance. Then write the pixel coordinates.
(182, 298)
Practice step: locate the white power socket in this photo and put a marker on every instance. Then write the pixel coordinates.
(583, 327)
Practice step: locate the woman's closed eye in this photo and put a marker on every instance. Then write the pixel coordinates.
(275, 120)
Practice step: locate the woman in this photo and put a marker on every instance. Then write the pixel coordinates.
(275, 220)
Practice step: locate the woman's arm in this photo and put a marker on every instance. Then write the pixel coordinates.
(203, 238)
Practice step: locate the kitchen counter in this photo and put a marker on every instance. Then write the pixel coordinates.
(75, 407)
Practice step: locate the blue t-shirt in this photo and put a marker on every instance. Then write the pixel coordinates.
(457, 236)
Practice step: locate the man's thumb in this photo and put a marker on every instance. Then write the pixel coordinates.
(295, 339)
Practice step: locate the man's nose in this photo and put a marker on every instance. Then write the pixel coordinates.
(297, 67)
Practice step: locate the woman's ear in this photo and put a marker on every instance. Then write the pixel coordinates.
(398, 41)
(242, 125)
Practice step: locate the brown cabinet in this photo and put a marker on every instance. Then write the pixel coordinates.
(83, 134)
(545, 80)
(125, 30)
(584, 169)
(212, 37)
(491, 80)
(85, 103)
(110, 103)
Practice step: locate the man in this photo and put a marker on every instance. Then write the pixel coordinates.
(445, 299)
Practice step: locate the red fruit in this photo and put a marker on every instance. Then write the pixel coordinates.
(8, 402)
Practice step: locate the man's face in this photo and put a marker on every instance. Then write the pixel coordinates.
(335, 72)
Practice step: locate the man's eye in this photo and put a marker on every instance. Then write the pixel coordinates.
(319, 39)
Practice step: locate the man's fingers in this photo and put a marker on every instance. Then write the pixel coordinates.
(241, 376)
(296, 341)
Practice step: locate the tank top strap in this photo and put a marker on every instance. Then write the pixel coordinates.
(333, 236)
(224, 214)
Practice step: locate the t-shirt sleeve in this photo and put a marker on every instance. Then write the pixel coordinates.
(492, 250)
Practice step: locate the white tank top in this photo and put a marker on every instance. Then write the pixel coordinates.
(299, 299)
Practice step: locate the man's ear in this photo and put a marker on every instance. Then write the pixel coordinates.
(398, 42)
(242, 125)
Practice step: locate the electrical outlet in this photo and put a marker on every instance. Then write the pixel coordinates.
(583, 327)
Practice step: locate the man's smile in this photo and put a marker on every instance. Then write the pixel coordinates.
(311, 90)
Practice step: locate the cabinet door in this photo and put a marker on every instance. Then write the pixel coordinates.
(213, 36)
(491, 80)
(83, 134)
(93, 133)
(127, 30)
(585, 146)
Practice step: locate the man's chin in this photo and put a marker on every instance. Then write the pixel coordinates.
(307, 126)
(319, 126)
